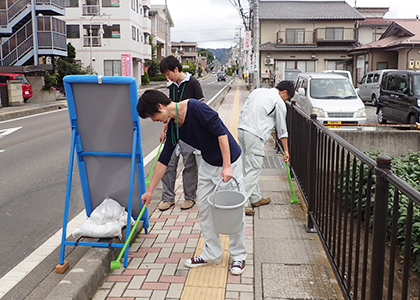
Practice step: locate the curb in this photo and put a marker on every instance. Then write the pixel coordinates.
(31, 111)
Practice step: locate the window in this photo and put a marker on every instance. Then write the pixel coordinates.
(72, 3)
(73, 31)
(382, 65)
(376, 77)
(112, 67)
(334, 33)
(369, 78)
(110, 3)
(133, 5)
(402, 83)
(112, 32)
(295, 36)
(133, 32)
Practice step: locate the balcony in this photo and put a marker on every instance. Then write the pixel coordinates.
(91, 10)
(51, 41)
(335, 34)
(295, 37)
(96, 41)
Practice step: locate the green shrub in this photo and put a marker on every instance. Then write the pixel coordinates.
(160, 77)
(145, 80)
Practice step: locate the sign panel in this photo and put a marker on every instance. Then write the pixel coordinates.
(125, 65)
(247, 40)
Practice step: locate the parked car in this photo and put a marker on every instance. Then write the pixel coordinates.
(399, 98)
(26, 86)
(344, 73)
(369, 86)
(221, 76)
(332, 97)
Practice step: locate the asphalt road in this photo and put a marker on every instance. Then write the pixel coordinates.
(34, 159)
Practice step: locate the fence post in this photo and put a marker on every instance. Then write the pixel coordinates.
(312, 174)
(383, 166)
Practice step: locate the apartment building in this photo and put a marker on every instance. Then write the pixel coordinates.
(31, 31)
(161, 29)
(185, 52)
(311, 36)
(111, 36)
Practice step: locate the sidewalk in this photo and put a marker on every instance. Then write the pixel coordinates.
(284, 261)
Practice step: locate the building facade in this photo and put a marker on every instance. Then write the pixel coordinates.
(306, 35)
(161, 30)
(186, 52)
(111, 36)
(30, 31)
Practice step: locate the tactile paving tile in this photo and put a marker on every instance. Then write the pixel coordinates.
(304, 282)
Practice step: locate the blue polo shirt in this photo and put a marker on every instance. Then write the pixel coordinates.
(201, 129)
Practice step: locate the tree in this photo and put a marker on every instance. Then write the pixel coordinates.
(154, 63)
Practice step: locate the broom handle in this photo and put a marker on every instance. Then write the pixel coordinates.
(131, 233)
(154, 161)
(292, 190)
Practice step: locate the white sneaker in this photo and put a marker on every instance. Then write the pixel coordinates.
(195, 262)
(238, 267)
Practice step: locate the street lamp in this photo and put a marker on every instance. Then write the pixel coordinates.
(101, 32)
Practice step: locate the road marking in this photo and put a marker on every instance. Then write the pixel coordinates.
(36, 115)
(14, 276)
(4, 132)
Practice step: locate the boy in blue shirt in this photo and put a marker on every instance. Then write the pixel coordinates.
(198, 125)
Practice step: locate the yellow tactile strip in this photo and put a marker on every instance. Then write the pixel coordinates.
(208, 282)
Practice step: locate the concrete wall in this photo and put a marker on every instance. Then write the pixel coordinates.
(393, 143)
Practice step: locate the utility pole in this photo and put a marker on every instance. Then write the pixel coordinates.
(256, 44)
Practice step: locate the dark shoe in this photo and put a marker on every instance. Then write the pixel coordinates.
(238, 267)
(249, 211)
(262, 201)
(166, 205)
(195, 262)
(187, 204)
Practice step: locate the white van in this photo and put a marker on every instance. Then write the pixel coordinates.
(332, 97)
(344, 73)
(370, 85)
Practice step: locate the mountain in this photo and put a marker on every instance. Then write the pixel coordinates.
(222, 54)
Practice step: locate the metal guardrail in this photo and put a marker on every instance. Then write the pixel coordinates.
(364, 214)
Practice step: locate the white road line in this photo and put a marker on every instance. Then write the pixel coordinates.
(14, 276)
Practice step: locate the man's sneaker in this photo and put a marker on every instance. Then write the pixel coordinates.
(187, 204)
(166, 205)
(195, 262)
(238, 267)
(262, 201)
(249, 211)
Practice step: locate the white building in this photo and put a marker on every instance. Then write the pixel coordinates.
(110, 35)
(161, 29)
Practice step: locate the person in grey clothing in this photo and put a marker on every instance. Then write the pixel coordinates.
(263, 110)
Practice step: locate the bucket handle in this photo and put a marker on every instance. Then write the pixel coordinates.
(217, 186)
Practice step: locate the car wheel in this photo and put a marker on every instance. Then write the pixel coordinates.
(374, 100)
(413, 119)
(380, 115)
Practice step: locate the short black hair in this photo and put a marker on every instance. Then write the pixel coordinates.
(287, 85)
(169, 64)
(148, 103)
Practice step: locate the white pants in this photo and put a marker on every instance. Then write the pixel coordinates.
(252, 158)
(208, 177)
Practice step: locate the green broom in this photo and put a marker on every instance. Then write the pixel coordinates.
(116, 264)
(153, 165)
(294, 199)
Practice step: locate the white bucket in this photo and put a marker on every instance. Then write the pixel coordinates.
(228, 209)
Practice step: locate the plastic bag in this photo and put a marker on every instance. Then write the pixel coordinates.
(106, 221)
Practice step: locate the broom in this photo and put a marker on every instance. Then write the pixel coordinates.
(294, 199)
(153, 165)
(116, 264)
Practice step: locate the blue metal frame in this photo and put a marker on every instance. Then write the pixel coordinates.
(76, 145)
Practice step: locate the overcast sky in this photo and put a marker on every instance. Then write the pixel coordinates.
(214, 23)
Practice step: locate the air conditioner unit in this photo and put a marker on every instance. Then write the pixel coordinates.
(417, 64)
(411, 64)
(280, 40)
(269, 61)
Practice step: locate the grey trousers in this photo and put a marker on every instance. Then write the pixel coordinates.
(252, 158)
(208, 177)
(189, 175)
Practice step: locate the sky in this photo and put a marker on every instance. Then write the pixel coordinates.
(214, 23)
